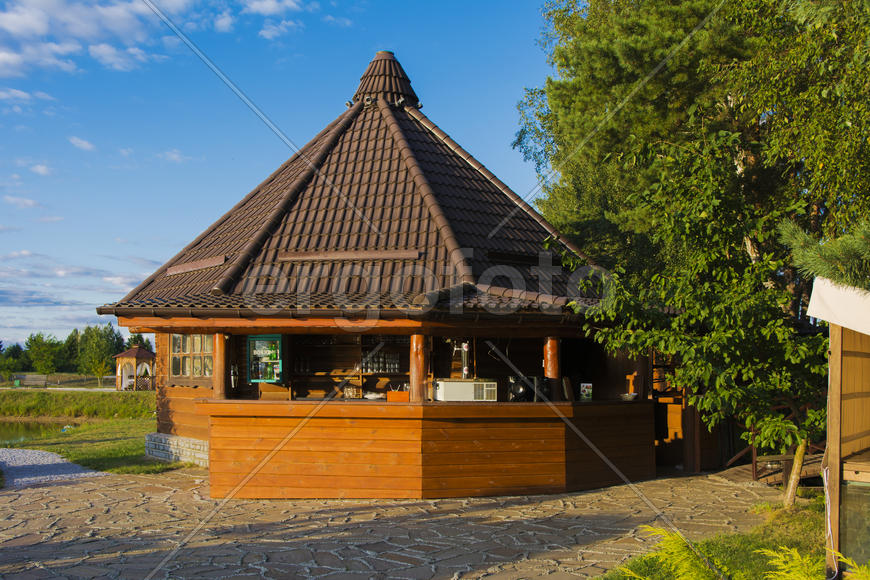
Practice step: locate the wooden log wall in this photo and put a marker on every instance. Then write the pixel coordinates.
(623, 433)
(176, 412)
(377, 450)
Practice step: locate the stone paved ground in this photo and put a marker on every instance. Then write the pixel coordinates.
(124, 526)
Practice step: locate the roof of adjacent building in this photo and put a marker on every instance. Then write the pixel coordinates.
(381, 210)
(136, 352)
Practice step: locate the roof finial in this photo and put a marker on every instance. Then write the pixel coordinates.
(385, 79)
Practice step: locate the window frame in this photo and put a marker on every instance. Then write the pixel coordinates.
(185, 359)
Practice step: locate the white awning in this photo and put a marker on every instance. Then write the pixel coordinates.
(842, 305)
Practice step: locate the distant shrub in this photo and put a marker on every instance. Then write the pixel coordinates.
(77, 404)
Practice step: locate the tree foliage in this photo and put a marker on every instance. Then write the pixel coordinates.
(845, 260)
(45, 352)
(677, 155)
(138, 340)
(809, 82)
(71, 346)
(98, 345)
(12, 360)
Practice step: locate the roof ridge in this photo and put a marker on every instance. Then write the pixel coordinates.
(217, 223)
(257, 241)
(429, 197)
(480, 168)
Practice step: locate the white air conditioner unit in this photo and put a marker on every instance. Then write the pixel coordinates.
(466, 390)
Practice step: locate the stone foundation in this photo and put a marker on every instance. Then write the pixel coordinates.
(175, 448)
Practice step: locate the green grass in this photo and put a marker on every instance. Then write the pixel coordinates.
(45, 403)
(115, 445)
(801, 527)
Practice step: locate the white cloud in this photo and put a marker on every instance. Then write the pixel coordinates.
(14, 95)
(270, 7)
(51, 219)
(338, 21)
(41, 169)
(25, 19)
(20, 202)
(224, 21)
(45, 33)
(127, 282)
(51, 55)
(117, 59)
(5, 229)
(16, 255)
(126, 151)
(173, 155)
(81, 144)
(11, 63)
(271, 30)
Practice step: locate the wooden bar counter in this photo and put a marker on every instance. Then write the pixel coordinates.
(373, 449)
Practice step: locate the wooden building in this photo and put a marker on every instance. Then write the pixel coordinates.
(359, 325)
(846, 467)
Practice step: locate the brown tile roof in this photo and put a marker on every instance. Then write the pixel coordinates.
(135, 351)
(381, 210)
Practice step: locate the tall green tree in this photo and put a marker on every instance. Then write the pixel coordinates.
(11, 361)
(588, 120)
(699, 174)
(138, 340)
(98, 345)
(45, 352)
(70, 358)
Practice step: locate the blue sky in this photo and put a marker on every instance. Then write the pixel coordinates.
(119, 146)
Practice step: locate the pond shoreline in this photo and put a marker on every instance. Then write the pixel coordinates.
(47, 419)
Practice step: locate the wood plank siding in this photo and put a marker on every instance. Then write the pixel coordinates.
(377, 450)
(176, 412)
(855, 393)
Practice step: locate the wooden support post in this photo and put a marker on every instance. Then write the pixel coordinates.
(551, 368)
(219, 371)
(833, 460)
(419, 368)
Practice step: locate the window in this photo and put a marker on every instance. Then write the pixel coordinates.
(191, 355)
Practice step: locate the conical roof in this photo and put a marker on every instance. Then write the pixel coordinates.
(381, 210)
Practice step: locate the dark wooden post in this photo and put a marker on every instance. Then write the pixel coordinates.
(419, 368)
(551, 367)
(832, 461)
(219, 371)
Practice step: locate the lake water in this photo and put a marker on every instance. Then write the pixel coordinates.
(17, 431)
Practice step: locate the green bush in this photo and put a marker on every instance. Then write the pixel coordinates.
(750, 556)
(77, 404)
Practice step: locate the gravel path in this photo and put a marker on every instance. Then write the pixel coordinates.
(24, 467)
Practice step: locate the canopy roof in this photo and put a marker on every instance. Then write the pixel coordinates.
(842, 305)
(380, 211)
(137, 352)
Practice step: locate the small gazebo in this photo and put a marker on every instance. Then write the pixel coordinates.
(133, 365)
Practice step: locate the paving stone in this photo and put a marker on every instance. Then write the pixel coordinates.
(124, 526)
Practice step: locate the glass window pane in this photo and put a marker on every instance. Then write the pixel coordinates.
(207, 342)
(197, 366)
(176, 343)
(176, 366)
(207, 366)
(197, 343)
(185, 366)
(185, 343)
